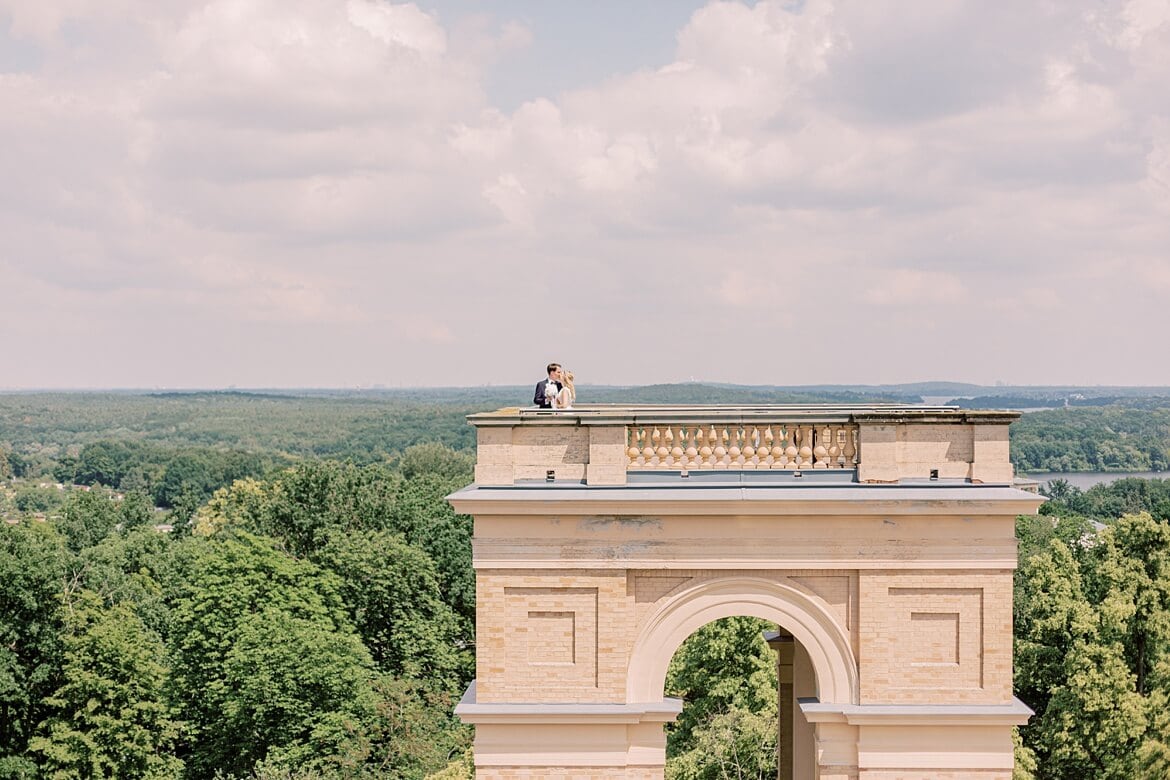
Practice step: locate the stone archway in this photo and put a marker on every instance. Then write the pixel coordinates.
(827, 668)
(882, 540)
(825, 641)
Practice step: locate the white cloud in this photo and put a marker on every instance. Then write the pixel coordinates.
(912, 288)
(824, 168)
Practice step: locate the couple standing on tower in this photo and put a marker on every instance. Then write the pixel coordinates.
(557, 391)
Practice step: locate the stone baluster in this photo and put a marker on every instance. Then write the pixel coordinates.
(791, 453)
(850, 449)
(765, 453)
(633, 446)
(735, 451)
(659, 450)
(751, 441)
(820, 451)
(649, 439)
(835, 440)
(691, 451)
(707, 451)
(805, 432)
(748, 446)
(719, 455)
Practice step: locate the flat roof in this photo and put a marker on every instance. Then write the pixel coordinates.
(774, 497)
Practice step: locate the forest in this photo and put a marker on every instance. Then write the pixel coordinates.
(271, 585)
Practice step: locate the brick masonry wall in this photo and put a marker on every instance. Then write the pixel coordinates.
(552, 636)
(935, 637)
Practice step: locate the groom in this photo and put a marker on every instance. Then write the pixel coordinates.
(542, 397)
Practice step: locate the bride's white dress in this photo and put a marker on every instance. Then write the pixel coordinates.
(563, 399)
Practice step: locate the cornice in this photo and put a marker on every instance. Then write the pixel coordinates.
(852, 501)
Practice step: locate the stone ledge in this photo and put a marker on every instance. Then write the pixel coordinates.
(1015, 714)
(470, 710)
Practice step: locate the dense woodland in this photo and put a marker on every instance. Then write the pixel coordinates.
(245, 585)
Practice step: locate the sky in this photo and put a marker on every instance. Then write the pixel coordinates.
(348, 193)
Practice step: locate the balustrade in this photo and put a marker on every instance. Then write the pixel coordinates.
(776, 445)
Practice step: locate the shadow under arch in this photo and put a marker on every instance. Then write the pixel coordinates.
(692, 608)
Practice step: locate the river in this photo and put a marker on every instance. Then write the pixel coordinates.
(1086, 479)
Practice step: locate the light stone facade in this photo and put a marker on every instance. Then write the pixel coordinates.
(885, 550)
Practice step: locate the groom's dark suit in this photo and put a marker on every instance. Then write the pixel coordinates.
(539, 398)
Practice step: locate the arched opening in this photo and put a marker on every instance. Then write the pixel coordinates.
(821, 662)
(728, 677)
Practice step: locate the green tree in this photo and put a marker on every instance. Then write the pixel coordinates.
(392, 593)
(296, 691)
(726, 674)
(305, 504)
(462, 768)
(437, 460)
(423, 516)
(734, 745)
(136, 510)
(1153, 759)
(130, 569)
(88, 518)
(109, 717)
(31, 499)
(1026, 765)
(413, 732)
(33, 566)
(1052, 613)
(1132, 577)
(1095, 719)
(1088, 612)
(222, 594)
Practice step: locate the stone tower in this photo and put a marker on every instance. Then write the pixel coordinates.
(880, 539)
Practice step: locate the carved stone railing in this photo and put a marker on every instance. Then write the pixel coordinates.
(601, 444)
(754, 445)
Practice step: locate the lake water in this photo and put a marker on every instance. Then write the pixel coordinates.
(1086, 479)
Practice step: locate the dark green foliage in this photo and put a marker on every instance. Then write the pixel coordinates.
(109, 717)
(225, 591)
(412, 733)
(89, 516)
(1095, 720)
(37, 500)
(1108, 501)
(136, 510)
(166, 474)
(437, 460)
(726, 674)
(306, 506)
(33, 568)
(1111, 438)
(392, 593)
(307, 503)
(328, 647)
(1092, 640)
(130, 569)
(423, 516)
(1130, 580)
(295, 688)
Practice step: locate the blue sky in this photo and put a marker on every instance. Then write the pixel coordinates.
(572, 45)
(290, 193)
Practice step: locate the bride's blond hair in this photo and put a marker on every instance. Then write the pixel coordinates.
(567, 381)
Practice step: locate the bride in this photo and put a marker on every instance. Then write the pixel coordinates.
(564, 399)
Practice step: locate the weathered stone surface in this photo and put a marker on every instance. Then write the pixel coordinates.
(897, 596)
